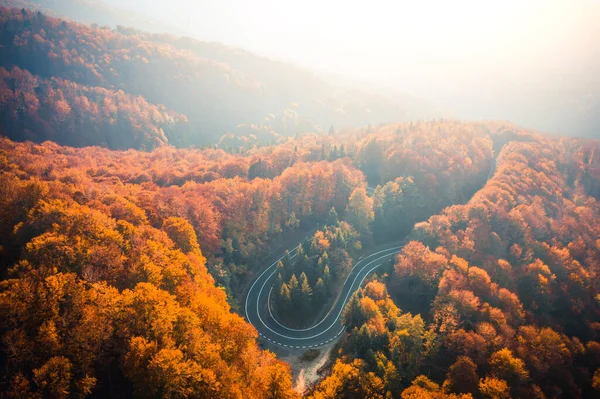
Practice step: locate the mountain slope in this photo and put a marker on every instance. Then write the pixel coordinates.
(96, 299)
(215, 87)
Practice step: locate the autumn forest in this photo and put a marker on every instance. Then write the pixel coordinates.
(147, 182)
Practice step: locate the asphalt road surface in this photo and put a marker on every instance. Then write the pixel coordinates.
(259, 314)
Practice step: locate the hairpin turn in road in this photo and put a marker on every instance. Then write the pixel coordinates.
(258, 313)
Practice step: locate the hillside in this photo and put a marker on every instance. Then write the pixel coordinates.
(65, 112)
(178, 217)
(92, 12)
(508, 279)
(502, 291)
(215, 88)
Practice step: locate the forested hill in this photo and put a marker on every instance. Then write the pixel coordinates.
(500, 296)
(92, 12)
(167, 89)
(124, 263)
(110, 262)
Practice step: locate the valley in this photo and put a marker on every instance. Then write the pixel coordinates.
(181, 218)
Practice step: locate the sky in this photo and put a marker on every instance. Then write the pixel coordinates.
(443, 50)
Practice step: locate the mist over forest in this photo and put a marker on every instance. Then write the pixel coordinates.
(299, 200)
(532, 63)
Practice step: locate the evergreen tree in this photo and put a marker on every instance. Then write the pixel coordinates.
(319, 293)
(353, 314)
(327, 277)
(293, 283)
(363, 341)
(284, 303)
(281, 269)
(305, 294)
(332, 217)
(334, 154)
(259, 169)
(324, 258)
(320, 266)
(331, 130)
(304, 286)
(294, 291)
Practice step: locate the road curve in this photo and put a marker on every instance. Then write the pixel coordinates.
(259, 314)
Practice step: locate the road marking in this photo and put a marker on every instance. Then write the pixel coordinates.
(358, 273)
(334, 305)
(343, 303)
(294, 254)
(264, 271)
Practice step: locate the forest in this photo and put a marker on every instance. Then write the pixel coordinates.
(133, 223)
(508, 299)
(187, 92)
(501, 293)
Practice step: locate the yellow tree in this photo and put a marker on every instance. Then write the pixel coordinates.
(359, 211)
(182, 233)
(493, 388)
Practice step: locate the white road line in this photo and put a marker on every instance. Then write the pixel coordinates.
(294, 252)
(343, 285)
(339, 313)
(264, 271)
(390, 252)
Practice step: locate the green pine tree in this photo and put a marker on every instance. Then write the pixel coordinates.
(319, 293)
(281, 269)
(332, 217)
(284, 303)
(305, 294)
(327, 277)
(353, 316)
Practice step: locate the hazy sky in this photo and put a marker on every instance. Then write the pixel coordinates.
(362, 38)
(438, 49)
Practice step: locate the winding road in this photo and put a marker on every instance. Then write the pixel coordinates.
(257, 305)
(259, 314)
